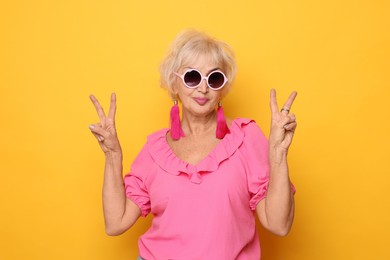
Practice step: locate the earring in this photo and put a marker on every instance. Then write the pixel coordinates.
(222, 128)
(176, 131)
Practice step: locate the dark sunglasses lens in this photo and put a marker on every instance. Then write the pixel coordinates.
(216, 80)
(192, 78)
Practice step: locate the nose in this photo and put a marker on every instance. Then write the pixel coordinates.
(203, 88)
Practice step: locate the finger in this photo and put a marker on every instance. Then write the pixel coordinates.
(287, 119)
(111, 112)
(273, 103)
(287, 106)
(291, 126)
(98, 137)
(96, 129)
(292, 117)
(98, 107)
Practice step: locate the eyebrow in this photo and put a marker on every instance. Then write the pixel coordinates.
(217, 68)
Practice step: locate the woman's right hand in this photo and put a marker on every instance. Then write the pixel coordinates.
(105, 131)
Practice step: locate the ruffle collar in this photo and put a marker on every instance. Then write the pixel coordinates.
(167, 160)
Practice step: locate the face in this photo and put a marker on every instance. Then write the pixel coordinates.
(199, 101)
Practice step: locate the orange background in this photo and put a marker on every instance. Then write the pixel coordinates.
(53, 54)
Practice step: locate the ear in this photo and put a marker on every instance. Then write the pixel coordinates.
(225, 90)
(173, 93)
(175, 90)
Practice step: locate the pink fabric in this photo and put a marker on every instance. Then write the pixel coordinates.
(203, 211)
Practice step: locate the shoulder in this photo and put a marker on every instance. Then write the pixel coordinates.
(248, 126)
(252, 135)
(157, 135)
(145, 156)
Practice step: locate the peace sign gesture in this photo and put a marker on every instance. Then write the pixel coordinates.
(283, 124)
(105, 131)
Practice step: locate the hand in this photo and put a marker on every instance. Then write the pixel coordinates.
(283, 124)
(105, 131)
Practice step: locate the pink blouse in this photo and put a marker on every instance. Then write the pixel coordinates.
(202, 211)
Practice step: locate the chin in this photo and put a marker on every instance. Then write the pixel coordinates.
(203, 112)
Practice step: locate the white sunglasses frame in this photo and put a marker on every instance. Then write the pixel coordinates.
(203, 78)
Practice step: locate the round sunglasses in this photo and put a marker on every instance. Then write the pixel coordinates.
(192, 78)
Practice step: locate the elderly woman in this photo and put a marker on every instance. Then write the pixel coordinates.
(204, 177)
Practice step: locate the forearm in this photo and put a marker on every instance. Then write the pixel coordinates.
(276, 211)
(279, 203)
(119, 212)
(114, 199)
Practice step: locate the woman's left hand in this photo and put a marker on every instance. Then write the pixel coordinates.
(283, 124)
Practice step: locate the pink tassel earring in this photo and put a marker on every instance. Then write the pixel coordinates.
(222, 128)
(176, 131)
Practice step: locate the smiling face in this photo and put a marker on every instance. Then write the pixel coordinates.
(199, 101)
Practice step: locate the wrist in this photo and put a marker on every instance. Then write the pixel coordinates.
(277, 155)
(114, 154)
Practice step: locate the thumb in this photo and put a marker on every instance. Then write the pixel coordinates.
(96, 129)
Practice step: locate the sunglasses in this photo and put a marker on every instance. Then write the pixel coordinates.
(192, 78)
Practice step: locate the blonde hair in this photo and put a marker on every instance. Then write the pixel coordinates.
(187, 46)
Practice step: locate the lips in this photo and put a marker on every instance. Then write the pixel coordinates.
(201, 101)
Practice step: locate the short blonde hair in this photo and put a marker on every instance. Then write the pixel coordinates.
(187, 46)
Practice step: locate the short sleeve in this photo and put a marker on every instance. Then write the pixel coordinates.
(255, 153)
(135, 182)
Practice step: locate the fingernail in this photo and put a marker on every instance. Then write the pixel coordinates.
(91, 127)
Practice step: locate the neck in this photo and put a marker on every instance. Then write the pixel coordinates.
(198, 125)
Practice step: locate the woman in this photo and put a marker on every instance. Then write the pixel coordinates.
(203, 178)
